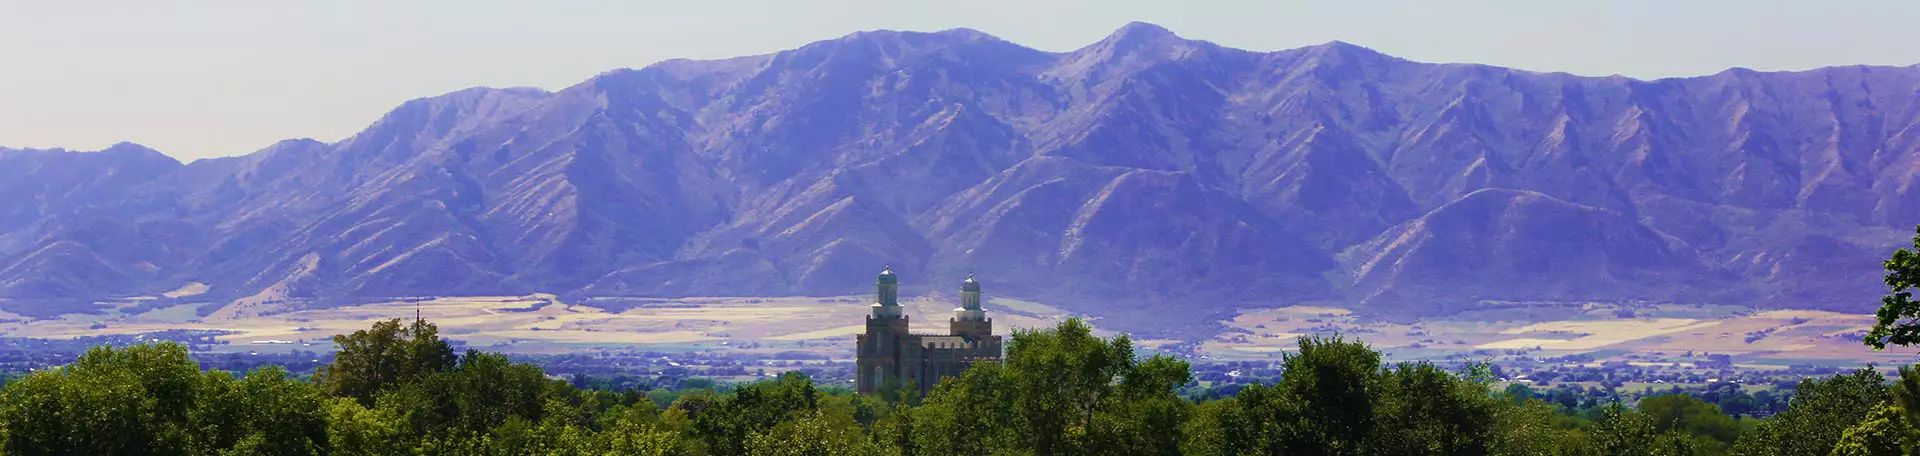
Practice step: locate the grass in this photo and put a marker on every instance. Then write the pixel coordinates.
(1026, 307)
(174, 313)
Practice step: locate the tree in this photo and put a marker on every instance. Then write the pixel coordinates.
(1823, 411)
(1680, 412)
(1519, 393)
(896, 390)
(488, 389)
(814, 434)
(963, 416)
(1531, 429)
(1325, 403)
(1906, 392)
(1059, 377)
(1332, 383)
(726, 423)
(1885, 432)
(1061, 390)
(264, 413)
(1219, 428)
(375, 359)
(355, 430)
(132, 400)
(1619, 431)
(1143, 415)
(632, 437)
(894, 432)
(1566, 398)
(1898, 321)
(1423, 409)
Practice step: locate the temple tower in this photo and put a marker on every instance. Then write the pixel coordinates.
(970, 320)
(880, 349)
(888, 352)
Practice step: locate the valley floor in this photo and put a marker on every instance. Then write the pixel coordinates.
(1650, 335)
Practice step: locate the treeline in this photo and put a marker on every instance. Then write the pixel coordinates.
(400, 389)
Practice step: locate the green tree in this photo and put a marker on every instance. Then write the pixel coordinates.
(355, 430)
(1530, 429)
(963, 416)
(1821, 412)
(372, 360)
(1519, 393)
(1423, 409)
(1058, 377)
(1885, 432)
(1620, 431)
(894, 432)
(815, 434)
(639, 439)
(488, 389)
(1325, 403)
(1144, 414)
(132, 400)
(1898, 320)
(1327, 390)
(1906, 392)
(1680, 412)
(724, 424)
(1220, 428)
(1061, 390)
(264, 413)
(895, 390)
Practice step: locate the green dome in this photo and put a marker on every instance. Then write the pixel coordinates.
(887, 277)
(970, 284)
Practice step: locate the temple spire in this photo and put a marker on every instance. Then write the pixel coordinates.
(886, 295)
(887, 288)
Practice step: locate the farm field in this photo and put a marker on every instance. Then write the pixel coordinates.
(544, 324)
(1638, 334)
(1643, 334)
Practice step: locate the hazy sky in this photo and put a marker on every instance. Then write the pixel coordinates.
(213, 78)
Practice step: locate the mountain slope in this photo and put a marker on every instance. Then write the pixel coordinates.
(1140, 173)
(1518, 245)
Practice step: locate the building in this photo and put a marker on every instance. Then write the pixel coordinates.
(889, 351)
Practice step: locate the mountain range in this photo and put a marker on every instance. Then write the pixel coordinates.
(1146, 177)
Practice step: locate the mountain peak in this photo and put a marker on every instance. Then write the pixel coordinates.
(1345, 49)
(966, 34)
(1139, 34)
(126, 145)
(297, 144)
(1143, 29)
(130, 148)
(961, 34)
(1134, 46)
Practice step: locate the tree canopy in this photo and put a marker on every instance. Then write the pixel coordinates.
(1060, 391)
(1898, 320)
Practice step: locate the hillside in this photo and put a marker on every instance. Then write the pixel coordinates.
(1142, 176)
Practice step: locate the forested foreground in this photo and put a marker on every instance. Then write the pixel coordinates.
(400, 389)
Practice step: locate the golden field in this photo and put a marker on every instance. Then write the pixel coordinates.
(544, 323)
(1656, 332)
(826, 325)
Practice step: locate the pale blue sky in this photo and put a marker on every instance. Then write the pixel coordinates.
(212, 78)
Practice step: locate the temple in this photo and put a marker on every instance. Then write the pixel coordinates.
(889, 352)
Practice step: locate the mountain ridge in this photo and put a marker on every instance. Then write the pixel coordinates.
(1138, 173)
